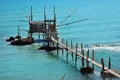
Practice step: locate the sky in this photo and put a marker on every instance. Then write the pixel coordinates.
(67, 3)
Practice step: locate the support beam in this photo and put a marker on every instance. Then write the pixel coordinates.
(93, 60)
(83, 65)
(18, 30)
(54, 16)
(45, 18)
(87, 62)
(57, 48)
(76, 55)
(109, 63)
(62, 47)
(31, 14)
(39, 36)
(102, 62)
(66, 51)
(81, 46)
(72, 48)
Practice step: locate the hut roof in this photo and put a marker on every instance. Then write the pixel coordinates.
(37, 22)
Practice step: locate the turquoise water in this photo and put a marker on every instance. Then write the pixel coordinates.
(29, 63)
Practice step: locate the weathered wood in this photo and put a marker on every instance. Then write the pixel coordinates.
(93, 60)
(31, 14)
(18, 30)
(83, 65)
(62, 47)
(109, 63)
(72, 48)
(102, 62)
(81, 46)
(62, 41)
(87, 62)
(39, 36)
(66, 51)
(57, 48)
(62, 50)
(76, 55)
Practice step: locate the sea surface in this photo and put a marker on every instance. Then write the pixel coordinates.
(100, 32)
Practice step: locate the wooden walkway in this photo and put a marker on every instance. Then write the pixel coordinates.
(115, 73)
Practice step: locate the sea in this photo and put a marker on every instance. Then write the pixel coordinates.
(100, 32)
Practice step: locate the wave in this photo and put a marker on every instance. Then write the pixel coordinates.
(115, 47)
(109, 47)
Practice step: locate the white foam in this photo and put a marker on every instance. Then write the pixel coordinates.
(115, 48)
(109, 47)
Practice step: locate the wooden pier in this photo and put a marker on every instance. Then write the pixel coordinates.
(78, 53)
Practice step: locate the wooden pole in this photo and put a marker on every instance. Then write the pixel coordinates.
(109, 64)
(102, 62)
(54, 16)
(62, 47)
(83, 58)
(72, 48)
(76, 55)
(87, 62)
(66, 51)
(29, 33)
(81, 46)
(18, 31)
(93, 60)
(62, 41)
(31, 14)
(57, 48)
(39, 36)
(45, 18)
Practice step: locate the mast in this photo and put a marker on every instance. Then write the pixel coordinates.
(44, 16)
(18, 30)
(31, 14)
(54, 23)
(54, 17)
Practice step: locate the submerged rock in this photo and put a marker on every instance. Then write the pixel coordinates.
(23, 41)
(48, 48)
(10, 39)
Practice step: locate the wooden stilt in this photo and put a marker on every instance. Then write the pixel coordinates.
(31, 14)
(62, 47)
(102, 62)
(72, 52)
(76, 55)
(81, 46)
(43, 35)
(87, 62)
(53, 44)
(62, 41)
(66, 51)
(62, 50)
(39, 36)
(83, 65)
(109, 63)
(18, 31)
(93, 60)
(57, 48)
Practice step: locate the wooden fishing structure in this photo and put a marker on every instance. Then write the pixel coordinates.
(48, 29)
(52, 39)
